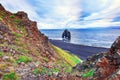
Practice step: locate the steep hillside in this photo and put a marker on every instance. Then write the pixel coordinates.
(25, 53)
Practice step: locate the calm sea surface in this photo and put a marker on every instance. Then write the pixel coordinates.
(91, 37)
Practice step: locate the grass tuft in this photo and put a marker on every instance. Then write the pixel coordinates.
(1, 54)
(88, 74)
(36, 71)
(12, 16)
(24, 59)
(10, 76)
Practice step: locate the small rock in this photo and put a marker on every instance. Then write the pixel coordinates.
(55, 73)
(31, 65)
(118, 51)
(118, 72)
(22, 63)
(1, 37)
(37, 64)
(6, 58)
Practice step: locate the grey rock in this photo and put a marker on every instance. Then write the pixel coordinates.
(1, 37)
(6, 58)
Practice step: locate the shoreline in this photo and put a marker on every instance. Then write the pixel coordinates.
(81, 51)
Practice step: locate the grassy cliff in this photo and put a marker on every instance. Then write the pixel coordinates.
(25, 52)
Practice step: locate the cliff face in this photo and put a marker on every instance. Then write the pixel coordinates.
(20, 24)
(104, 66)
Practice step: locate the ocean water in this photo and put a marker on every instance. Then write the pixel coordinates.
(103, 37)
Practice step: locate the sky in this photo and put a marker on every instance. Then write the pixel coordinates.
(62, 14)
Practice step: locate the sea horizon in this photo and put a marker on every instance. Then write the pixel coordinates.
(96, 37)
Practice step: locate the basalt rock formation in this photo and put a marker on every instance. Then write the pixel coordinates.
(106, 66)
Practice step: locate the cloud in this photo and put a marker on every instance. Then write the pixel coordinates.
(18, 5)
(68, 13)
(60, 13)
(106, 16)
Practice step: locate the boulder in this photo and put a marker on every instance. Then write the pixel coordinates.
(22, 15)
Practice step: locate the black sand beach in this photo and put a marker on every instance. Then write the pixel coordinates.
(82, 51)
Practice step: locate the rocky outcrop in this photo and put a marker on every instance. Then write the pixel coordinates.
(29, 29)
(109, 65)
(106, 66)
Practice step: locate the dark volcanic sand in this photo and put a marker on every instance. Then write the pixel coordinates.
(82, 51)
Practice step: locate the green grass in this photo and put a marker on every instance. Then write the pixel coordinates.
(88, 74)
(55, 70)
(19, 35)
(36, 71)
(1, 54)
(70, 58)
(24, 59)
(10, 76)
(2, 15)
(44, 70)
(17, 21)
(12, 16)
(22, 29)
(46, 59)
(67, 69)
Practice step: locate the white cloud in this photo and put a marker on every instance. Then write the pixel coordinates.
(110, 12)
(66, 13)
(18, 5)
(61, 13)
